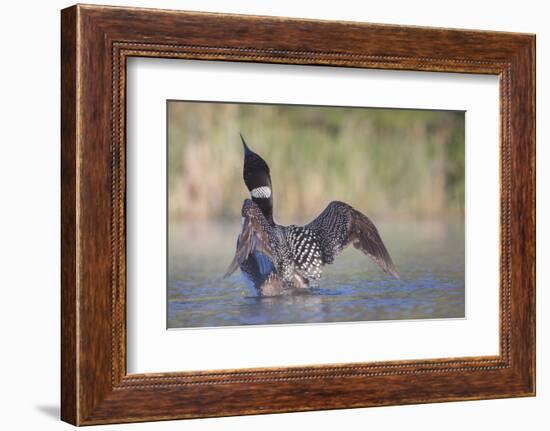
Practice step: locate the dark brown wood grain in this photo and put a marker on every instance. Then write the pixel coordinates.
(95, 42)
(68, 216)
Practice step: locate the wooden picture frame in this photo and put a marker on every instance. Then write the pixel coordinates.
(95, 43)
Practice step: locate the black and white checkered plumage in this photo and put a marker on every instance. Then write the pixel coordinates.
(277, 259)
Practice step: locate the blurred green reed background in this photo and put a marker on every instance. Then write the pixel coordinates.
(393, 163)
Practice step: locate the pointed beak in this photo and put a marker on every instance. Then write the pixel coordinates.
(247, 150)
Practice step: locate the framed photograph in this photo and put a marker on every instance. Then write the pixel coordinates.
(264, 215)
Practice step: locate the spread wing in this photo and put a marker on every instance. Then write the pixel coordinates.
(254, 236)
(340, 224)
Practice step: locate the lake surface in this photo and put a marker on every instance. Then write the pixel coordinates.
(428, 255)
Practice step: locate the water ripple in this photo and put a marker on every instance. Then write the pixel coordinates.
(431, 265)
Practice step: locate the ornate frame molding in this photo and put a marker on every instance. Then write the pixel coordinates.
(96, 41)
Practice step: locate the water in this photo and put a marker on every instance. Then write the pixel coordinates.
(428, 255)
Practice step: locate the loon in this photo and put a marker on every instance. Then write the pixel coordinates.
(279, 260)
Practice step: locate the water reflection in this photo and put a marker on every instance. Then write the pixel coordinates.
(428, 255)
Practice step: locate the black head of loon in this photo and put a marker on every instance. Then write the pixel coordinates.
(258, 181)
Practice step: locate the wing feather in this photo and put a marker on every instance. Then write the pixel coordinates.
(365, 237)
(340, 225)
(253, 237)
